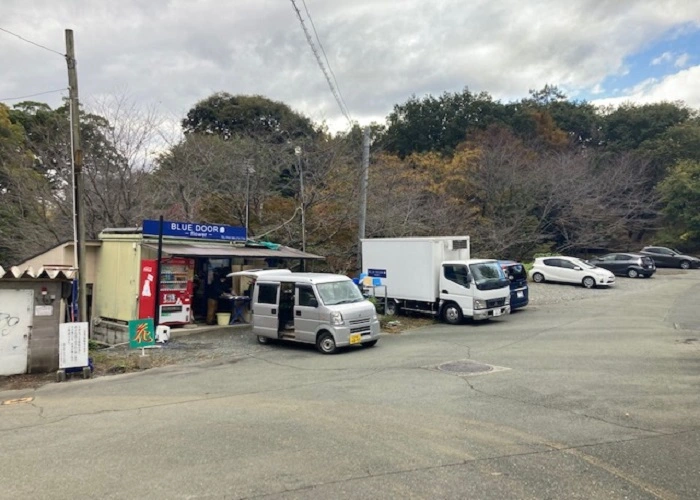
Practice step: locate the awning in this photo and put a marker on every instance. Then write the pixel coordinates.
(224, 251)
(43, 273)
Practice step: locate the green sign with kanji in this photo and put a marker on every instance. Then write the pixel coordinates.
(141, 333)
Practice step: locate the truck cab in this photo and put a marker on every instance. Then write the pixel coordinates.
(477, 288)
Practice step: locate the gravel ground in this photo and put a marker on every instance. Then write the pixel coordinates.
(554, 293)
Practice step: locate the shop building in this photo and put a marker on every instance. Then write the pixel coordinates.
(128, 285)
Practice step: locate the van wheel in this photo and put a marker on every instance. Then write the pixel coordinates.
(452, 314)
(263, 340)
(632, 273)
(371, 343)
(538, 278)
(588, 282)
(392, 308)
(325, 343)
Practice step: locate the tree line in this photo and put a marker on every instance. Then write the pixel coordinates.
(542, 174)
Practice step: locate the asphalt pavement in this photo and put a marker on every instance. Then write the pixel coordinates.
(595, 397)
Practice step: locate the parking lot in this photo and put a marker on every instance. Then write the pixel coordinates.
(583, 394)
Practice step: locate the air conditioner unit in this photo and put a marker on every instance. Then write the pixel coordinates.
(457, 244)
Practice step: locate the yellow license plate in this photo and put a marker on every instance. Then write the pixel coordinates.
(355, 338)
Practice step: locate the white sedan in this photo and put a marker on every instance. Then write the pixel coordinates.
(570, 270)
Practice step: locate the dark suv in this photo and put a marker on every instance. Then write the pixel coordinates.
(668, 257)
(632, 265)
(519, 291)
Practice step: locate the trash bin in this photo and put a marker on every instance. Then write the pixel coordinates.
(223, 318)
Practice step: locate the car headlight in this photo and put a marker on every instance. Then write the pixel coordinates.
(337, 318)
(479, 304)
(507, 299)
(374, 315)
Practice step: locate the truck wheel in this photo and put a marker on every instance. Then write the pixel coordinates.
(325, 343)
(392, 308)
(452, 314)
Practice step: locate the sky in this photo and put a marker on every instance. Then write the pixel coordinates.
(169, 54)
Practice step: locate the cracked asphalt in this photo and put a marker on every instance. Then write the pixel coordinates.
(592, 398)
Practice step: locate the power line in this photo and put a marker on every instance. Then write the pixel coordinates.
(33, 43)
(31, 95)
(323, 51)
(334, 91)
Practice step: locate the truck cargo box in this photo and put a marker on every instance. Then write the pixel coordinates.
(410, 267)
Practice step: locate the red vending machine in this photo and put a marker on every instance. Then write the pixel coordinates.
(176, 290)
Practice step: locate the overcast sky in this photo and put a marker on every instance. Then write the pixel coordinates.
(174, 53)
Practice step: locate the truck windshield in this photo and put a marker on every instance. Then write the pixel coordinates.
(339, 292)
(488, 276)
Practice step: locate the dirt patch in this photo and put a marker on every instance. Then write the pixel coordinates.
(398, 324)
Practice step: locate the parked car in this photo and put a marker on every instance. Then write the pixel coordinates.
(517, 275)
(570, 270)
(669, 257)
(632, 265)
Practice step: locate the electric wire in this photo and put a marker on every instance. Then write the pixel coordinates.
(325, 57)
(310, 41)
(32, 95)
(33, 43)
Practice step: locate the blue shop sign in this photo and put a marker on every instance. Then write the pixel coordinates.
(376, 273)
(195, 230)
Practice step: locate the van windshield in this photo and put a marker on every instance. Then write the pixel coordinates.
(488, 276)
(339, 292)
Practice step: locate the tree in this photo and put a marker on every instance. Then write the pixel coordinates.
(680, 192)
(439, 124)
(226, 115)
(629, 125)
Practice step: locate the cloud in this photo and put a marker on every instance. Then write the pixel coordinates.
(663, 58)
(682, 60)
(682, 86)
(179, 52)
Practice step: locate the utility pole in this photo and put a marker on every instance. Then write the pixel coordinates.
(364, 181)
(297, 152)
(77, 175)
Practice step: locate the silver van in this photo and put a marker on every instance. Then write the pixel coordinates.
(323, 309)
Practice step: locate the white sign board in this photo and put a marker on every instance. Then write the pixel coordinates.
(72, 345)
(43, 310)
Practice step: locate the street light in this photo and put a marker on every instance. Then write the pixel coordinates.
(297, 152)
(248, 170)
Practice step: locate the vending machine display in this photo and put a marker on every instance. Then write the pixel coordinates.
(176, 289)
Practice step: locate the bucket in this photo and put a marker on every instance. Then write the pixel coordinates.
(223, 318)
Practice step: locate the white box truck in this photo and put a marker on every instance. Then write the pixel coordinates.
(435, 275)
